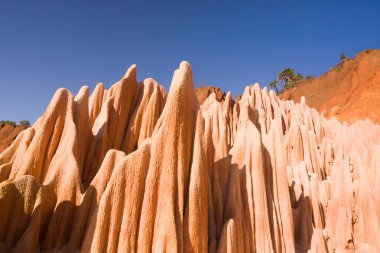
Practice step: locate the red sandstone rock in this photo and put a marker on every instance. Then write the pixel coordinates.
(203, 93)
(8, 134)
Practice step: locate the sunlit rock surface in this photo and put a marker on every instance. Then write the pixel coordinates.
(133, 169)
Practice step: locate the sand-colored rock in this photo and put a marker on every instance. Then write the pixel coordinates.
(133, 169)
(350, 91)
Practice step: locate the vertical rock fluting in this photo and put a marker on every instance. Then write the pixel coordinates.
(133, 169)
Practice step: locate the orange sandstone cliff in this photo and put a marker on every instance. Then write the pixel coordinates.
(203, 93)
(8, 133)
(350, 91)
(136, 169)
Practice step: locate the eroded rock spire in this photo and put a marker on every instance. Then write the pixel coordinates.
(133, 169)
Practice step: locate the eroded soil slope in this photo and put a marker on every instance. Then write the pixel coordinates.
(8, 133)
(350, 91)
(203, 93)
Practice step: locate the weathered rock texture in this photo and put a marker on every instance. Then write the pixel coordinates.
(203, 93)
(349, 92)
(8, 133)
(133, 169)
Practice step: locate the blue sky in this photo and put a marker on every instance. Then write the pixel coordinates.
(45, 45)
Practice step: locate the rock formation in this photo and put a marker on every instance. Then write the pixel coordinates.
(350, 91)
(133, 169)
(204, 92)
(8, 133)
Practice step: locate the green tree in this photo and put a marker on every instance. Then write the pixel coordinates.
(286, 75)
(342, 57)
(2, 122)
(289, 78)
(24, 122)
(296, 80)
(286, 79)
(274, 85)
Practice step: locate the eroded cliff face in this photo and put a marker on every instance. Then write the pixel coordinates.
(8, 133)
(204, 92)
(350, 91)
(133, 169)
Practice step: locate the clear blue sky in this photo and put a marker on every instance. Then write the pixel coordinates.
(45, 45)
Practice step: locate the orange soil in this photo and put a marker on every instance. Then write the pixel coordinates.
(202, 93)
(349, 92)
(8, 134)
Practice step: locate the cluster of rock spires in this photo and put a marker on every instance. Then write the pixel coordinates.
(133, 169)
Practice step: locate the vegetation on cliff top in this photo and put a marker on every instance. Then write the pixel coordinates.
(10, 122)
(286, 79)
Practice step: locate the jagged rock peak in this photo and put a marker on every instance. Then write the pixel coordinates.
(133, 169)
